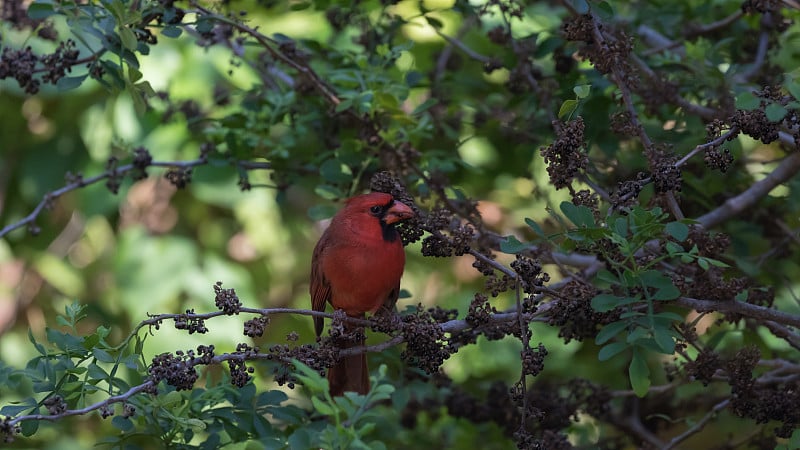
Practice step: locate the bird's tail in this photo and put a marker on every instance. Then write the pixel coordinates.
(350, 373)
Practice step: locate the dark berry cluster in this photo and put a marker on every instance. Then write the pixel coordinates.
(8, 431)
(760, 6)
(141, 161)
(627, 192)
(115, 177)
(16, 14)
(499, 35)
(240, 373)
(226, 299)
(708, 243)
(578, 28)
(587, 198)
(621, 124)
(128, 410)
(480, 310)
(533, 360)
(316, 357)
(456, 243)
(566, 155)
(255, 327)
(704, 366)
(762, 401)
(177, 370)
(666, 175)
(22, 64)
(106, 411)
(410, 230)
(441, 315)
(574, 315)
(755, 124)
(529, 273)
(424, 341)
(179, 177)
(188, 321)
(60, 62)
(718, 160)
(55, 405)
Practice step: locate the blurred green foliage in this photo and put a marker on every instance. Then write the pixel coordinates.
(289, 107)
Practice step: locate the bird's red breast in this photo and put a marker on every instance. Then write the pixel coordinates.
(358, 261)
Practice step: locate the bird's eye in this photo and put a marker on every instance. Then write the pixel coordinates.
(375, 209)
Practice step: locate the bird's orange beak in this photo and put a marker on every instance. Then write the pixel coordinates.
(397, 212)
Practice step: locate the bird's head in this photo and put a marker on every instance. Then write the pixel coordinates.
(381, 207)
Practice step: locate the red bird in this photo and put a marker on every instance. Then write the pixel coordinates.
(357, 265)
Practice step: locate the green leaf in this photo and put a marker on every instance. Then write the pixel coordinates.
(604, 10)
(581, 6)
(321, 212)
(621, 227)
(512, 245)
(747, 101)
(789, 83)
(609, 331)
(309, 377)
(29, 427)
(655, 279)
(664, 340)
(434, 22)
(677, 230)
(40, 10)
(703, 263)
(329, 192)
(300, 5)
(96, 372)
(322, 407)
(579, 215)
(122, 423)
(413, 78)
(128, 38)
(103, 356)
(611, 350)
(171, 31)
(334, 171)
(606, 302)
(608, 277)
(567, 108)
(775, 112)
(673, 248)
(582, 90)
(535, 227)
(667, 293)
(344, 105)
(639, 374)
(68, 83)
(424, 106)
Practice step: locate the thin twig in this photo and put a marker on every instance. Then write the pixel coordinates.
(698, 426)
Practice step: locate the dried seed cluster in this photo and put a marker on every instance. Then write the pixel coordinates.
(574, 315)
(566, 155)
(255, 327)
(189, 321)
(424, 341)
(241, 374)
(226, 299)
(22, 64)
(178, 370)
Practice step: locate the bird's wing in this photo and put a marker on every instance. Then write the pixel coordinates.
(320, 286)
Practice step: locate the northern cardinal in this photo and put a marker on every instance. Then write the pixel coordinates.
(356, 266)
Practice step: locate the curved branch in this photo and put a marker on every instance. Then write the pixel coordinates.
(745, 309)
(787, 169)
